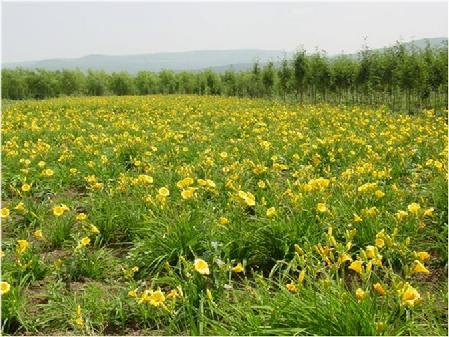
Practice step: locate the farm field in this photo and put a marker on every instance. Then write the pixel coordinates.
(189, 215)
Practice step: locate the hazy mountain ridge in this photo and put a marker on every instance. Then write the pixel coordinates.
(178, 61)
(216, 60)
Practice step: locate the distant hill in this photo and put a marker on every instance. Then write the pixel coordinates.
(434, 42)
(420, 44)
(177, 61)
(217, 60)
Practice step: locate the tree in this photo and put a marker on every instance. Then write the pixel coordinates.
(344, 71)
(213, 83)
(268, 78)
(285, 76)
(97, 83)
(229, 81)
(300, 68)
(255, 86)
(319, 75)
(411, 75)
(121, 84)
(146, 82)
(14, 84)
(43, 84)
(167, 82)
(185, 82)
(72, 82)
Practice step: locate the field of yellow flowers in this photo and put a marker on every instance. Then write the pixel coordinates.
(216, 216)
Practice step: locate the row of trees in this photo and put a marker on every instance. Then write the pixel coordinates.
(400, 77)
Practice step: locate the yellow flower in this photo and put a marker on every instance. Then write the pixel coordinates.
(79, 320)
(370, 252)
(38, 234)
(188, 193)
(47, 172)
(22, 246)
(379, 194)
(357, 218)
(261, 184)
(292, 287)
(132, 293)
(5, 213)
(145, 179)
(201, 266)
(301, 276)
(438, 164)
(4, 287)
(380, 326)
(84, 242)
(26, 187)
(247, 198)
(413, 208)
(210, 184)
(423, 255)
(429, 212)
(366, 187)
(343, 258)
(298, 249)
(209, 294)
(20, 207)
(250, 200)
(360, 294)
(98, 186)
(57, 263)
(187, 182)
(381, 234)
(271, 212)
(409, 295)
(238, 268)
(420, 268)
(379, 289)
(372, 211)
(81, 216)
(58, 210)
(164, 192)
(401, 215)
(93, 229)
(378, 260)
(173, 294)
(321, 207)
(155, 298)
(379, 242)
(223, 221)
(357, 266)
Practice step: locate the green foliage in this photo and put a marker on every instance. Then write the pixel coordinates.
(85, 247)
(121, 84)
(401, 77)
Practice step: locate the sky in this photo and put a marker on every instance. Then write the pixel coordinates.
(43, 30)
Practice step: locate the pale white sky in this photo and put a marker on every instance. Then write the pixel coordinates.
(39, 30)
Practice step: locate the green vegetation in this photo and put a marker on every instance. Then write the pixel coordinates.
(401, 77)
(210, 215)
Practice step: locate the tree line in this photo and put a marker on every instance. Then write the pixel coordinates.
(401, 77)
